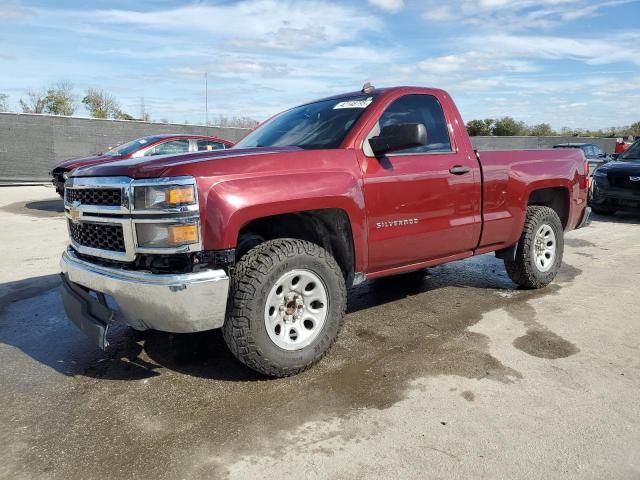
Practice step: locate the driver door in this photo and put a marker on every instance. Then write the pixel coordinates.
(423, 203)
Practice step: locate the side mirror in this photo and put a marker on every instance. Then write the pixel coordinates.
(398, 137)
(614, 156)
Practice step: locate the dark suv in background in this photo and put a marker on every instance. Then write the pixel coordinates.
(592, 152)
(616, 184)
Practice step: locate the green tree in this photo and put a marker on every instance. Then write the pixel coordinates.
(101, 104)
(634, 129)
(35, 102)
(478, 128)
(120, 115)
(60, 99)
(541, 130)
(508, 127)
(4, 102)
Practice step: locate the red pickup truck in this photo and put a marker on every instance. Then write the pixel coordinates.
(263, 240)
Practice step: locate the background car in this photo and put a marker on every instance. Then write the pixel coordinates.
(616, 185)
(142, 147)
(592, 152)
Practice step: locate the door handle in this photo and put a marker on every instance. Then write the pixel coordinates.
(459, 170)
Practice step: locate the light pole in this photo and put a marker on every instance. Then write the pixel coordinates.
(206, 100)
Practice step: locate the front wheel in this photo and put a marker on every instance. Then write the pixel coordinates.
(286, 305)
(540, 249)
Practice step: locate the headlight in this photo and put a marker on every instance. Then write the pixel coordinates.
(163, 235)
(163, 196)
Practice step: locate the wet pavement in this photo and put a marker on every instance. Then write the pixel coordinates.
(451, 371)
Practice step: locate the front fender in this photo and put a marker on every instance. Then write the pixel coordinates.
(232, 203)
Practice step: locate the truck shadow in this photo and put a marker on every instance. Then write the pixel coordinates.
(443, 301)
(41, 208)
(632, 218)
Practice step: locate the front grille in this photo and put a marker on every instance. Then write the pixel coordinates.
(621, 180)
(95, 196)
(104, 236)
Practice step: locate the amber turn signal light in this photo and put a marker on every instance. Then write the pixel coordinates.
(183, 234)
(180, 195)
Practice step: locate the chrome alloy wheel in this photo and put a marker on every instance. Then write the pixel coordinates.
(544, 249)
(296, 309)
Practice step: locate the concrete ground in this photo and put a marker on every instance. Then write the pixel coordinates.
(453, 373)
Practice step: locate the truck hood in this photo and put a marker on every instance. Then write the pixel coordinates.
(631, 167)
(77, 162)
(158, 166)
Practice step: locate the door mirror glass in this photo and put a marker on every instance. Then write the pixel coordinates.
(398, 137)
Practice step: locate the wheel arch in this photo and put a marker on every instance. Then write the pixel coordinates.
(329, 228)
(556, 197)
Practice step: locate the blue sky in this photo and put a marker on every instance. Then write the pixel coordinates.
(571, 63)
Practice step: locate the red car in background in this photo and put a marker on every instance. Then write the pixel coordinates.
(148, 146)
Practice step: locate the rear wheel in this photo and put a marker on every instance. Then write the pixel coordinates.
(540, 249)
(286, 305)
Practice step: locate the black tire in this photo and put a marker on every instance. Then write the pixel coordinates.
(524, 270)
(245, 332)
(602, 211)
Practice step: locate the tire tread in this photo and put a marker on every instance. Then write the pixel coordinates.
(522, 270)
(246, 279)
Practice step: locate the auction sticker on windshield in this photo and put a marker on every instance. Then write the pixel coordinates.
(354, 103)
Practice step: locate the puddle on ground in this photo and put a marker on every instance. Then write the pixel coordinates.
(578, 242)
(159, 392)
(543, 343)
(539, 341)
(468, 395)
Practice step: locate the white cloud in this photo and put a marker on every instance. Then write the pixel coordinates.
(388, 5)
(255, 23)
(601, 50)
(10, 10)
(514, 14)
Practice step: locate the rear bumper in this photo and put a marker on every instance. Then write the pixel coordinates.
(190, 302)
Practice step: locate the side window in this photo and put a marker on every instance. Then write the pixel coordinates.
(423, 109)
(589, 151)
(204, 145)
(172, 147)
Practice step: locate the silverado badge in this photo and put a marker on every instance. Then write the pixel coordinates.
(397, 223)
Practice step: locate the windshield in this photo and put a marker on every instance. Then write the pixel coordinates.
(131, 147)
(323, 124)
(631, 153)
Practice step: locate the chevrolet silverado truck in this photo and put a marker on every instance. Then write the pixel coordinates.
(264, 239)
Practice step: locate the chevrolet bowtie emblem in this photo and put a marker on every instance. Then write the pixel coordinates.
(74, 213)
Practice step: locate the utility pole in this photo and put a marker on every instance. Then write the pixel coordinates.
(143, 113)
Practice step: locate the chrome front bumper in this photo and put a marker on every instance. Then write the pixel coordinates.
(182, 303)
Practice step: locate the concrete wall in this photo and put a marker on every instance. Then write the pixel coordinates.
(30, 145)
(525, 143)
